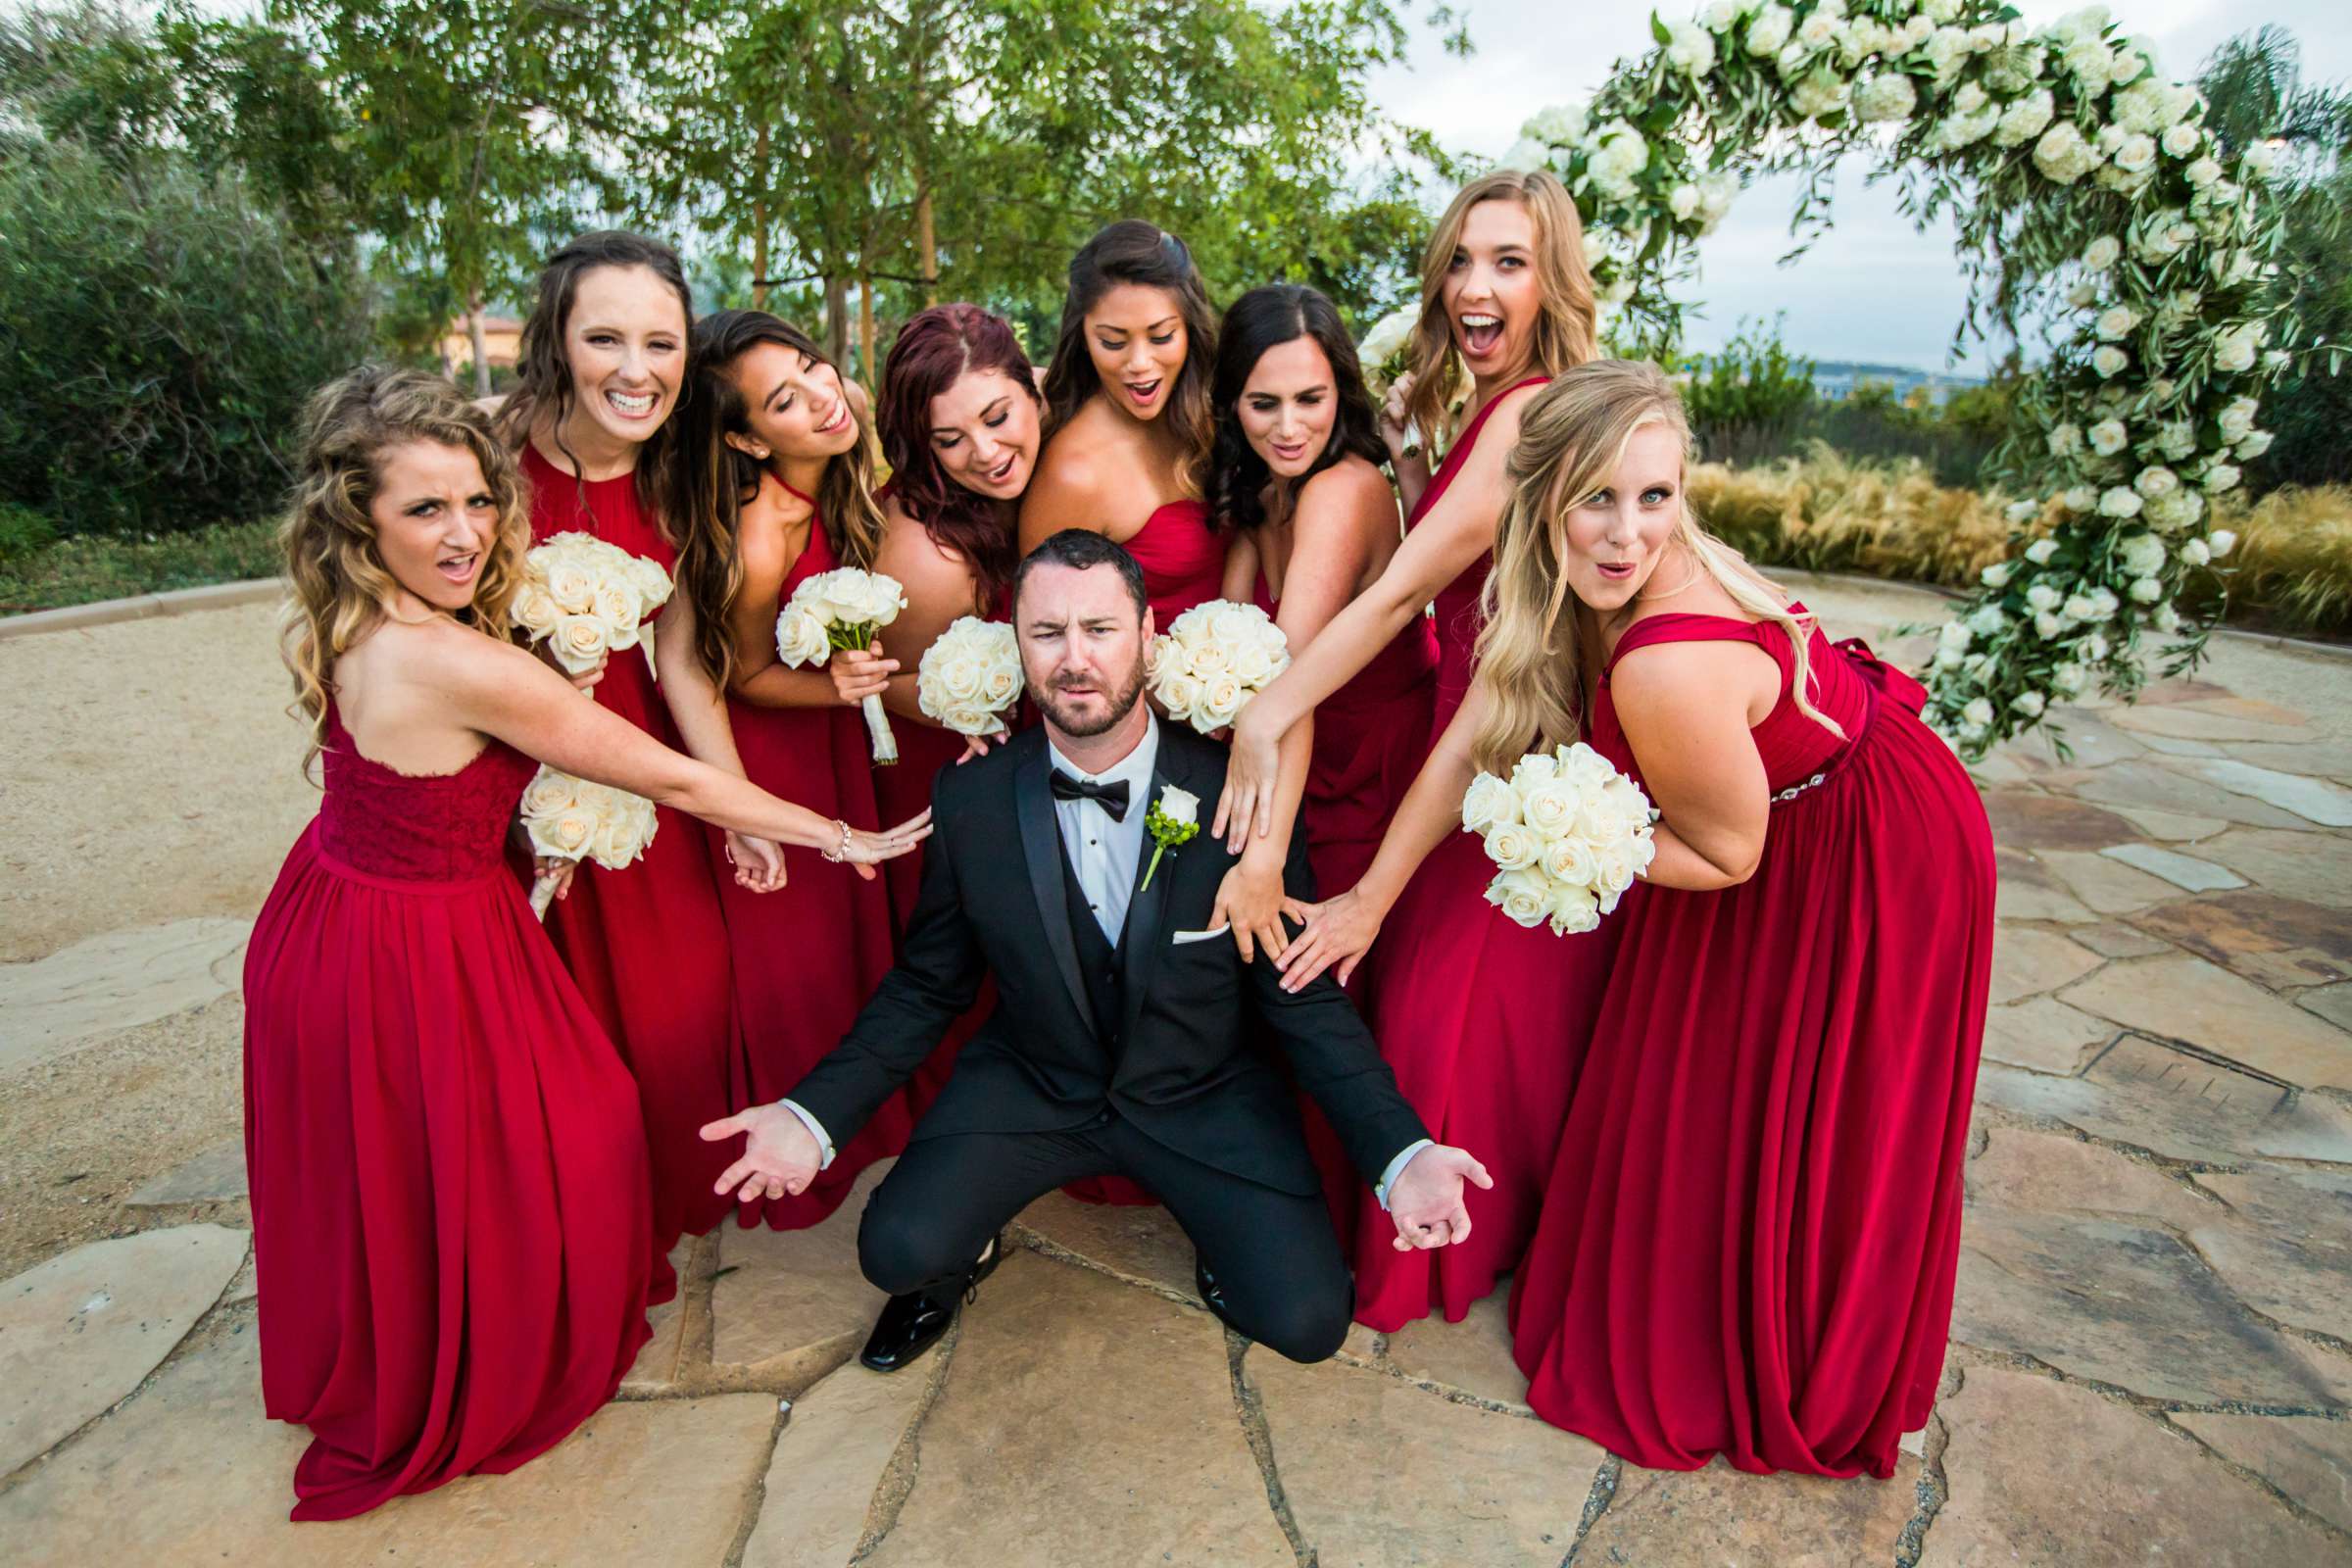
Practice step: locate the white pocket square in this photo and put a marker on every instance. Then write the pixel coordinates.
(1183, 937)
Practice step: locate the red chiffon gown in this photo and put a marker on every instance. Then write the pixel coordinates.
(647, 944)
(1750, 1238)
(1483, 1021)
(1182, 558)
(809, 955)
(1184, 565)
(447, 1169)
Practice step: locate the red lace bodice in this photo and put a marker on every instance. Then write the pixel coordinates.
(409, 827)
(1794, 745)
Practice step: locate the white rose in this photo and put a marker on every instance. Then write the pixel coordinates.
(2082, 498)
(1209, 658)
(1988, 621)
(1979, 711)
(1512, 845)
(2141, 555)
(2146, 591)
(2135, 154)
(2084, 294)
(2120, 502)
(960, 672)
(571, 586)
(1885, 98)
(2202, 173)
(2196, 553)
(2042, 597)
(1488, 802)
(1526, 156)
(2256, 443)
(1562, 126)
(999, 684)
(2062, 156)
(2065, 440)
(549, 793)
(2049, 624)
(1396, 329)
(1954, 637)
(2238, 418)
(2177, 439)
(1683, 201)
(535, 610)
(2025, 120)
(1571, 860)
(1179, 807)
(2181, 140)
(1690, 49)
(580, 640)
(1524, 896)
(2222, 541)
(1222, 696)
(1997, 574)
(2108, 437)
(2166, 619)
(1253, 663)
(801, 638)
(2177, 510)
(1179, 691)
(2220, 477)
(1572, 911)
(1769, 30)
(1614, 866)
(2070, 680)
(2260, 156)
(2109, 360)
(2156, 481)
(1533, 769)
(1550, 808)
(1820, 93)
(1818, 31)
(622, 608)
(2116, 322)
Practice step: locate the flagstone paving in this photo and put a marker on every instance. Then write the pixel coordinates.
(2152, 1336)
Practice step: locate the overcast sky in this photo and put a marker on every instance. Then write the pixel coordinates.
(1872, 288)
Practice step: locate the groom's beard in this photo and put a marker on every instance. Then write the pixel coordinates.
(1080, 723)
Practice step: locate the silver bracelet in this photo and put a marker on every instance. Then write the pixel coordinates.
(842, 853)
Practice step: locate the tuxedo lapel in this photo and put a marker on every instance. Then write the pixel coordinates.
(1147, 909)
(1040, 846)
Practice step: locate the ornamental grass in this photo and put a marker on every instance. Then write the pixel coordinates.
(2291, 570)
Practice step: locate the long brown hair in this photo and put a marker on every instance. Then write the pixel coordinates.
(1572, 435)
(715, 480)
(1567, 331)
(1132, 251)
(930, 354)
(545, 371)
(335, 579)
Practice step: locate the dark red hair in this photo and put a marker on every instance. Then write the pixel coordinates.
(929, 353)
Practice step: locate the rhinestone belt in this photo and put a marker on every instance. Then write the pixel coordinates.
(1794, 790)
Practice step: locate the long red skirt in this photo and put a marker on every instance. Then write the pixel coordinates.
(1749, 1239)
(447, 1178)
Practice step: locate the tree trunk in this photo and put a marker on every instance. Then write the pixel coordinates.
(837, 317)
(481, 347)
(760, 228)
(927, 240)
(865, 333)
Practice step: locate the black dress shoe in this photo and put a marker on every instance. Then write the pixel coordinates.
(912, 1323)
(1212, 1295)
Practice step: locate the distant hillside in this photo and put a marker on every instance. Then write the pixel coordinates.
(1835, 379)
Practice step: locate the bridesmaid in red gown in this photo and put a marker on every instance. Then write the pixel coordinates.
(775, 489)
(604, 360)
(1127, 450)
(1749, 1239)
(444, 1151)
(1483, 1022)
(1127, 391)
(960, 420)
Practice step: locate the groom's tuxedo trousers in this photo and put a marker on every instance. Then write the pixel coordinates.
(1133, 1057)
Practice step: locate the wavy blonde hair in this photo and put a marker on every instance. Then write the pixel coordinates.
(336, 581)
(1567, 331)
(1572, 435)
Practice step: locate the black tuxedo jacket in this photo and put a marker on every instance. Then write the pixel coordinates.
(1183, 1071)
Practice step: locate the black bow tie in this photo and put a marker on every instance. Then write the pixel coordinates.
(1112, 798)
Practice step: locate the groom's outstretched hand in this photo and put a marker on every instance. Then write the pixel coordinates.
(780, 1157)
(1426, 1198)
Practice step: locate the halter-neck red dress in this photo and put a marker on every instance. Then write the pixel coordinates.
(647, 943)
(1750, 1235)
(809, 955)
(1483, 1020)
(447, 1168)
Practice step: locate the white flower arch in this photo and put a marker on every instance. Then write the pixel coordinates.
(2077, 175)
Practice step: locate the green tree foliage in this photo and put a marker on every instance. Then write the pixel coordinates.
(2254, 91)
(1746, 402)
(157, 341)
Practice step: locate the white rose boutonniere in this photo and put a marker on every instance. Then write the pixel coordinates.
(1172, 822)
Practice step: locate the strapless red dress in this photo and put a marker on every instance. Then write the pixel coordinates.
(1483, 1021)
(447, 1168)
(647, 944)
(1182, 558)
(1750, 1235)
(809, 955)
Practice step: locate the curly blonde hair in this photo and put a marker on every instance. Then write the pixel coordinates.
(1572, 435)
(1567, 331)
(338, 585)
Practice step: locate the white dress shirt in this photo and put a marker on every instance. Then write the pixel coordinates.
(1105, 853)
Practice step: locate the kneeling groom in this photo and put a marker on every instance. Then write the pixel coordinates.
(1120, 1042)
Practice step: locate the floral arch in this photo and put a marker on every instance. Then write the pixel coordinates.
(2084, 184)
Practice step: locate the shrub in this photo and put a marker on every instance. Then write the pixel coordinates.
(159, 331)
(23, 534)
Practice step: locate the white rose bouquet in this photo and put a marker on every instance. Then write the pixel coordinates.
(843, 608)
(1387, 350)
(572, 819)
(1213, 659)
(1567, 833)
(972, 676)
(586, 597)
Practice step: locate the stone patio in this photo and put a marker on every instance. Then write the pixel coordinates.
(2152, 1341)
